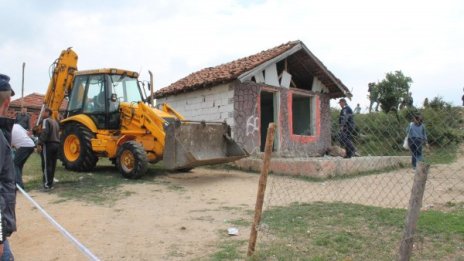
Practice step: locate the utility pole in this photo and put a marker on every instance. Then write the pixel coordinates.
(22, 87)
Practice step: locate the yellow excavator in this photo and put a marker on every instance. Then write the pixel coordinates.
(109, 114)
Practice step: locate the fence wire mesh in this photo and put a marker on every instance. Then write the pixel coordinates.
(355, 208)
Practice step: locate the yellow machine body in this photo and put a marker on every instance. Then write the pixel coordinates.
(107, 116)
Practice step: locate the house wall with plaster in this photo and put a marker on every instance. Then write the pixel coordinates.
(316, 144)
(247, 115)
(211, 104)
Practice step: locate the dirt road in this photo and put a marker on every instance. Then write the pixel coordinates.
(185, 216)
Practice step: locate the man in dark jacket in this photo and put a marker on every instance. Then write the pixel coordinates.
(49, 143)
(7, 172)
(24, 119)
(346, 124)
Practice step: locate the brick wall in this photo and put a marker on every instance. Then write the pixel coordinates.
(212, 104)
(33, 112)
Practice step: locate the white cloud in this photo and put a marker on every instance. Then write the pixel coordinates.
(359, 41)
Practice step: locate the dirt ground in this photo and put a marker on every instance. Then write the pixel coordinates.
(185, 216)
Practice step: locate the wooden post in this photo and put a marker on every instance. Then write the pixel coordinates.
(415, 204)
(261, 188)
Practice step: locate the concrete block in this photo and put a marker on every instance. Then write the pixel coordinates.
(325, 167)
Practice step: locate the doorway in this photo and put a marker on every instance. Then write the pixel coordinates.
(269, 111)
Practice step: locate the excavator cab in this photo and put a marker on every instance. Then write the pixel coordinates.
(98, 95)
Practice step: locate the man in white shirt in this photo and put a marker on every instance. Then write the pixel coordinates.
(24, 146)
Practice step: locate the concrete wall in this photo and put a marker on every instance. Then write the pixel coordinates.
(239, 104)
(247, 116)
(325, 167)
(314, 145)
(211, 104)
(247, 130)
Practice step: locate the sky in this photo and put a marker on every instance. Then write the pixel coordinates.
(359, 41)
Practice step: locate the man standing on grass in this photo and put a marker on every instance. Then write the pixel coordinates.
(346, 124)
(7, 172)
(49, 143)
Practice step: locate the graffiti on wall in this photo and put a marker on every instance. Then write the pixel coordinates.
(246, 116)
(252, 124)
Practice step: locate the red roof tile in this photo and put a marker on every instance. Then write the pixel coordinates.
(34, 101)
(223, 73)
(231, 71)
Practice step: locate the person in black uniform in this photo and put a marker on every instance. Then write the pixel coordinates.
(7, 172)
(48, 145)
(346, 124)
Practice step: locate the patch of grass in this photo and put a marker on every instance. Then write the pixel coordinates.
(337, 231)
(174, 187)
(241, 222)
(229, 250)
(101, 186)
(442, 155)
(228, 208)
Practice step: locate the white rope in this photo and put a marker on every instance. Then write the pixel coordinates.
(63, 231)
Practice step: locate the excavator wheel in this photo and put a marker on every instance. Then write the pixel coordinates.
(131, 160)
(76, 152)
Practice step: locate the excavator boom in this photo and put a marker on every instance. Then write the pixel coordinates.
(61, 81)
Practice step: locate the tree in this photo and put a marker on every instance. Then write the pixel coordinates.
(437, 103)
(393, 90)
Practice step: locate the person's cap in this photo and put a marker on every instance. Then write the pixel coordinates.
(342, 100)
(5, 84)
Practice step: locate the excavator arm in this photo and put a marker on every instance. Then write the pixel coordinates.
(60, 82)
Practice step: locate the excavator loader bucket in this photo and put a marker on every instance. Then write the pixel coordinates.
(190, 144)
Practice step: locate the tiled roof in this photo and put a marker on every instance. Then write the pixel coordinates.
(223, 73)
(228, 72)
(34, 101)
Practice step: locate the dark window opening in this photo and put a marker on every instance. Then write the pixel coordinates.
(301, 115)
(302, 75)
(267, 114)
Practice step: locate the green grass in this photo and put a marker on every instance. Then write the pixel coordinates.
(101, 186)
(442, 155)
(335, 231)
(229, 250)
(340, 231)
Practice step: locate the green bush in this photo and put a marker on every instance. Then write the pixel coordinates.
(381, 133)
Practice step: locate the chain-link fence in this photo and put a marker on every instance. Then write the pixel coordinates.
(354, 208)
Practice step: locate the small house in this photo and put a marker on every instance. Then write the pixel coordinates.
(287, 85)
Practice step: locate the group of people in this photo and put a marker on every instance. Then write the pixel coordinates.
(16, 145)
(416, 133)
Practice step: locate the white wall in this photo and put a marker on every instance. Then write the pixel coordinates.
(211, 104)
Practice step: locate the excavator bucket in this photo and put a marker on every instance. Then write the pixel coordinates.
(190, 144)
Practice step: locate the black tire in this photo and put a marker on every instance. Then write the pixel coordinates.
(82, 158)
(131, 160)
